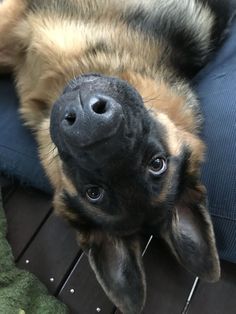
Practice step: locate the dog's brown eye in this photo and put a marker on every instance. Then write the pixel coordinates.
(158, 166)
(94, 194)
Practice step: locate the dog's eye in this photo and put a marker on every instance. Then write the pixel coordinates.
(94, 194)
(158, 166)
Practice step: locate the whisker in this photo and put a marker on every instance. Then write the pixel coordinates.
(47, 146)
(42, 129)
(148, 99)
(49, 163)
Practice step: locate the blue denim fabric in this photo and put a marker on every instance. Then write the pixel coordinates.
(216, 87)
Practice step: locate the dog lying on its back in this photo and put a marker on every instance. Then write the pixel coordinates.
(104, 85)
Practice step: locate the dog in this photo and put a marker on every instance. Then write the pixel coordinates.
(105, 87)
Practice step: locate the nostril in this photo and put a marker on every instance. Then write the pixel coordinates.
(70, 117)
(100, 106)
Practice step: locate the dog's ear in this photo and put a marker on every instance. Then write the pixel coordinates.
(117, 263)
(190, 234)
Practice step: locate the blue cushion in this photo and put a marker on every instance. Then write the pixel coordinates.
(18, 152)
(216, 88)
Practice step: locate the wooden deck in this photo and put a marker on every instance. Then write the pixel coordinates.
(45, 245)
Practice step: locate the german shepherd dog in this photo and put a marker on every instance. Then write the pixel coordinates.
(104, 85)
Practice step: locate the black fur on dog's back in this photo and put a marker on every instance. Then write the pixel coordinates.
(189, 49)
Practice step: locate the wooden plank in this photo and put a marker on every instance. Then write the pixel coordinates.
(52, 253)
(26, 209)
(168, 283)
(217, 298)
(82, 293)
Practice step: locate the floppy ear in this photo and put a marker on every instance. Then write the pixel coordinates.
(190, 234)
(117, 263)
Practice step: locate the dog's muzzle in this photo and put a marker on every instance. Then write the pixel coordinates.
(87, 113)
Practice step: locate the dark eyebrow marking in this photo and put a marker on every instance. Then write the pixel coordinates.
(183, 170)
(99, 46)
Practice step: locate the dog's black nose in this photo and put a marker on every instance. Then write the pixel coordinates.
(96, 109)
(99, 108)
(88, 119)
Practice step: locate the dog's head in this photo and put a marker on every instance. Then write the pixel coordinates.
(125, 170)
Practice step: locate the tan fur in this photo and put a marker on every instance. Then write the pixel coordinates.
(61, 209)
(160, 97)
(49, 155)
(11, 12)
(55, 55)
